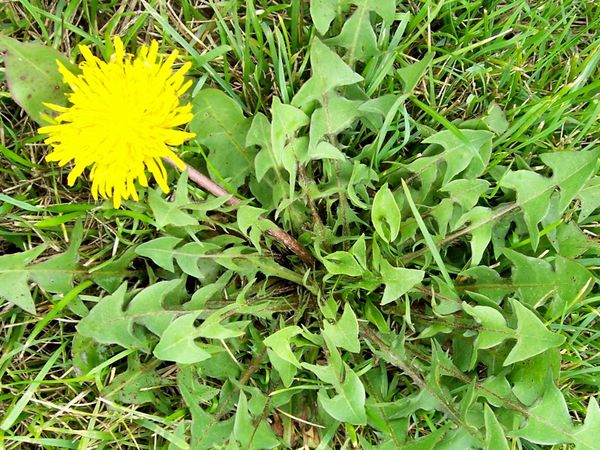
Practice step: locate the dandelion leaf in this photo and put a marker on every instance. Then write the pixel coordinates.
(251, 437)
(412, 73)
(178, 344)
(33, 77)
(494, 434)
(571, 170)
(328, 71)
(56, 275)
(398, 281)
(108, 324)
(493, 329)
(533, 196)
(220, 125)
(348, 405)
(534, 278)
(532, 336)
(586, 436)
(590, 198)
(548, 420)
(460, 151)
(344, 333)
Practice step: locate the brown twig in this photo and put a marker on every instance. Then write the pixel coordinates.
(276, 233)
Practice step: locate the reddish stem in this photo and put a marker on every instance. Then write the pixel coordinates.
(276, 233)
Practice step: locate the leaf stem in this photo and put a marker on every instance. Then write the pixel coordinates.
(276, 233)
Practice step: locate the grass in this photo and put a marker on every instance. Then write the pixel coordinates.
(536, 60)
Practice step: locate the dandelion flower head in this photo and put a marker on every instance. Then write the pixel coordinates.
(121, 121)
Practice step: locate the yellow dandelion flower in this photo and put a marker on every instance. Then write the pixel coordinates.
(122, 120)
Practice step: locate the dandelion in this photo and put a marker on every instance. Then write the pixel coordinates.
(122, 120)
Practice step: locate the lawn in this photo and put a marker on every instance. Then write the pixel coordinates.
(377, 225)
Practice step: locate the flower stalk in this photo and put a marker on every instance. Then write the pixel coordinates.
(276, 233)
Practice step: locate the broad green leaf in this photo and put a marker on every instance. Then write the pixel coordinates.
(194, 258)
(251, 437)
(385, 214)
(360, 181)
(412, 73)
(571, 241)
(147, 308)
(219, 123)
(459, 438)
(286, 370)
(374, 315)
(287, 119)
(586, 436)
(111, 273)
(481, 234)
(494, 434)
(219, 366)
(178, 342)
(274, 139)
(426, 168)
(474, 145)
(532, 336)
(348, 405)
(495, 119)
(160, 251)
(549, 422)
(208, 292)
(466, 192)
(33, 77)
(322, 12)
(190, 257)
(259, 135)
(206, 429)
(328, 71)
(57, 274)
(344, 333)
(87, 354)
(212, 327)
(325, 373)
(529, 377)
(108, 324)
(359, 251)
(534, 277)
(493, 326)
(496, 390)
(533, 196)
(375, 111)
(572, 281)
(485, 281)
(14, 278)
(446, 300)
(536, 281)
(342, 263)
(168, 213)
(325, 150)
(590, 198)
(247, 217)
(357, 36)
(279, 342)
(443, 213)
(336, 114)
(386, 9)
(570, 172)
(398, 281)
